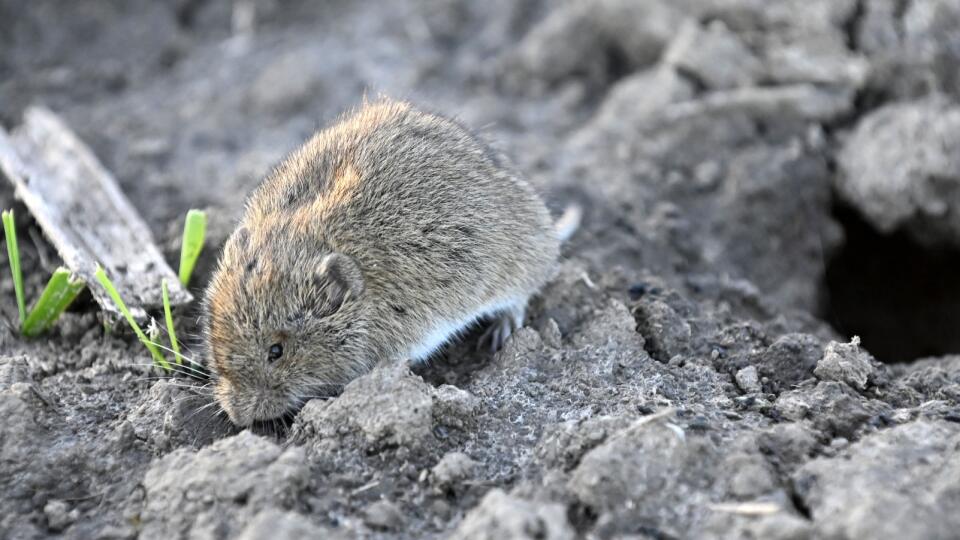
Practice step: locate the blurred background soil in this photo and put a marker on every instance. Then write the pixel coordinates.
(763, 180)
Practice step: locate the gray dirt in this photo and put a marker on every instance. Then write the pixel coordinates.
(676, 380)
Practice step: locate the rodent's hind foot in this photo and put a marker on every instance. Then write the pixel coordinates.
(502, 326)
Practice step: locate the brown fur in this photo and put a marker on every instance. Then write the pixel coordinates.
(427, 225)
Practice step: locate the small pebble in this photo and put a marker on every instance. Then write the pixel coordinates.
(383, 515)
(59, 516)
(453, 469)
(748, 379)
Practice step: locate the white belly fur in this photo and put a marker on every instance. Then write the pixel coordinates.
(445, 330)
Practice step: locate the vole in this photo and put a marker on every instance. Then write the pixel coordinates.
(380, 239)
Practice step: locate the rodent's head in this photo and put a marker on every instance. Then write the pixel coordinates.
(284, 324)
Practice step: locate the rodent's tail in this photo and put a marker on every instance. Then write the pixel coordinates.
(569, 222)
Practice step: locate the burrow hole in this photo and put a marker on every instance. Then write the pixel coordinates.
(902, 298)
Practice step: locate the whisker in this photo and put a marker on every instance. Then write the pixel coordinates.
(187, 397)
(176, 354)
(185, 369)
(154, 379)
(173, 366)
(216, 416)
(174, 370)
(179, 400)
(195, 392)
(199, 410)
(176, 383)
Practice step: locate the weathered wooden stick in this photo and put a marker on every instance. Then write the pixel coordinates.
(82, 211)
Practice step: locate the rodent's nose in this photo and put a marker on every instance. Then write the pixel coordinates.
(224, 396)
(246, 405)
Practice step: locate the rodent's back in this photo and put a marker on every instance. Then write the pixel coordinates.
(431, 215)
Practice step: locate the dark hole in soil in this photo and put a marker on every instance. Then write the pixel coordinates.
(900, 297)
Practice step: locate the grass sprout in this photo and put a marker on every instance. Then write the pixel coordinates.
(168, 315)
(158, 358)
(13, 252)
(59, 293)
(63, 288)
(194, 230)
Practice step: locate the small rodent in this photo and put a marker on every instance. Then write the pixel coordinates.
(379, 239)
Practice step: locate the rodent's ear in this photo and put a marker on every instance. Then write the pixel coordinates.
(342, 275)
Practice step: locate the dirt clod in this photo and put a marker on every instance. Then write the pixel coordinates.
(846, 362)
(500, 515)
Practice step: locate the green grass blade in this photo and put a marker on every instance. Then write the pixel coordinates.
(13, 252)
(115, 296)
(59, 293)
(194, 229)
(168, 315)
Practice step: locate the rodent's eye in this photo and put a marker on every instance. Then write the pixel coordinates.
(275, 352)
